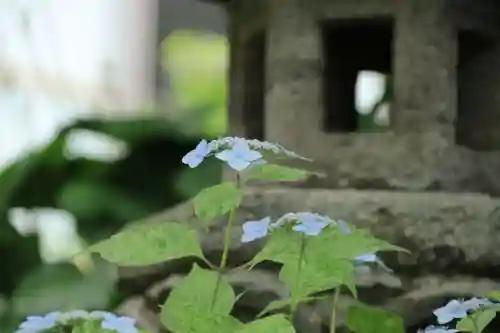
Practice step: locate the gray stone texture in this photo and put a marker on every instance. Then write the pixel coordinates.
(429, 146)
(453, 239)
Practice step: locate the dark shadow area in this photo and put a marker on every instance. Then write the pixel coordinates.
(254, 81)
(477, 85)
(351, 46)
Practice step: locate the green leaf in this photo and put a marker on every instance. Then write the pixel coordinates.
(495, 295)
(275, 306)
(477, 321)
(364, 319)
(217, 200)
(191, 307)
(320, 269)
(87, 326)
(274, 324)
(148, 244)
(316, 274)
(282, 246)
(286, 302)
(276, 172)
(335, 244)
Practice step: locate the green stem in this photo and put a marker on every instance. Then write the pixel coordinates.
(333, 317)
(295, 302)
(227, 239)
(227, 243)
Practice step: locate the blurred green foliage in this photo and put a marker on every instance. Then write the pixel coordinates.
(102, 196)
(197, 64)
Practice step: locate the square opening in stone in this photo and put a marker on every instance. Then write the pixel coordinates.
(357, 80)
(254, 80)
(478, 85)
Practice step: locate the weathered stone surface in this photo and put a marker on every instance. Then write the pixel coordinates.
(453, 239)
(444, 98)
(441, 229)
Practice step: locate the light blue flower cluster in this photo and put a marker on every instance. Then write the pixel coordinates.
(307, 223)
(238, 153)
(239, 156)
(109, 321)
(455, 309)
(35, 324)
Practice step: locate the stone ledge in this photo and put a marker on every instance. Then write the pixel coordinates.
(466, 226)
(445, 232)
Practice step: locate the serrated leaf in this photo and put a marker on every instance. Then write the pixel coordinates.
(364, 319)
(477, 321)
(335, 244)
(274, 172)
(494, 295)
(191, 306)
(316, 274)
(274, 324)
(217, 200)
(283, 303)
(148, 244)
(275, 306)
(282, 246)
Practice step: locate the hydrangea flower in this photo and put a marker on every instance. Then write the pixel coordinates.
(35, 324)
(228, 142)
(253, 230)
(196, 156)
(109, 321)
(438, 329)
(73, 315)
(234, 144)
(476, 302)
(119, 324)
(455, 309)
(310, 224)
(300, 218)
(101, 314)
(240, 156)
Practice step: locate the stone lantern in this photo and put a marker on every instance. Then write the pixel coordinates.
(293, 71)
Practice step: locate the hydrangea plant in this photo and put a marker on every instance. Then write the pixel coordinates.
(316, 253)
(78, 321)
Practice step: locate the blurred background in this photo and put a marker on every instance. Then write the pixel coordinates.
(99, 101)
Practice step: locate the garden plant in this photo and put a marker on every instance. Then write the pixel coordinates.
(316, 253)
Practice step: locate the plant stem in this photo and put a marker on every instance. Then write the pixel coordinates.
(227, 243)
(294, 304)
(333, 317)
(227, 239)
